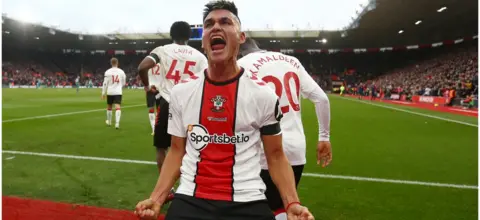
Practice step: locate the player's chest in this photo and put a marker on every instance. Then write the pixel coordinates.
(221, 111)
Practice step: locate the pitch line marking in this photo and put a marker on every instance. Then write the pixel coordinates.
(412, 112)
(317, 175)
(63, 114)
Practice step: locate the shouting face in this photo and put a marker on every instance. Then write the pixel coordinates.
(221, 36)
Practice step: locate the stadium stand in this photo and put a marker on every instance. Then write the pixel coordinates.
(423, 60)
(457, 68)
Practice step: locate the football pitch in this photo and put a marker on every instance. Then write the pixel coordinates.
(387, 164)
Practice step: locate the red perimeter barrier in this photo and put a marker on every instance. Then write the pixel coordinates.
(430, 99)
(28, 209)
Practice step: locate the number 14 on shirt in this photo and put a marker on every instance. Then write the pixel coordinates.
(115, 79)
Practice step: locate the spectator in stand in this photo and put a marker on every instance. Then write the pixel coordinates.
(468, 102)
(452, 94)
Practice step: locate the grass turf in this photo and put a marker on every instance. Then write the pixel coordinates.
(367, 141)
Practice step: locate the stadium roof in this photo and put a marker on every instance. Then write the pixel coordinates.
(152, 16)
(391, 23)
(255, 34)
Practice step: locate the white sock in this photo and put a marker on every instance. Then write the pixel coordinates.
(109, 116)
(152, 120)
(118, 113)
(281, 216)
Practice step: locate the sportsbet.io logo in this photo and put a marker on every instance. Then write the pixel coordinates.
(199, 137)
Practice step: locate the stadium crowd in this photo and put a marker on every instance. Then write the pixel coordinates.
(61, 69)
(428, 72)
(456, 70)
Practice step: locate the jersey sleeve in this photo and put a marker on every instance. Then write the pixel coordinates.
(156, 54)
(271, 114)
(175, 125)
(312, 91)
(105, 83)
(124, 78)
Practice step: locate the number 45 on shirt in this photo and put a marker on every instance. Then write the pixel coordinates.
(176, 76)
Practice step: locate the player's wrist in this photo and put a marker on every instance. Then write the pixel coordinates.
(323, 139)
(291, 204)
(160, 196)
(157, 200)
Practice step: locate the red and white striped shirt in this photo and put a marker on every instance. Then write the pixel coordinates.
(223, 123)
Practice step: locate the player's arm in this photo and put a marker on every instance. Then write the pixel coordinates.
(105, 84)
(170, 170)
(312, 91)
(147, 63)
(124, 79)
(171, 167)
(278, 165)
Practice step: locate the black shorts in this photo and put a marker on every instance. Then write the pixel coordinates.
(185, 207)
(151, 100)
(114, 99)
(161, 138)
(273, 195)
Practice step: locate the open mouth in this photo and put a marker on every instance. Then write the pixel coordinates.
(217, 43)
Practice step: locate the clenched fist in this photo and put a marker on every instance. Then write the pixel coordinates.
(299, 212)
(148, 210)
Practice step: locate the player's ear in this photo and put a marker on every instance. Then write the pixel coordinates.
(242, 37)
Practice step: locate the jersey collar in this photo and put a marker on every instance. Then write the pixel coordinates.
(224, 82)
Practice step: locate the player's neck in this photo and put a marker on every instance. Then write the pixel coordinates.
(224, 71)
(180, 42)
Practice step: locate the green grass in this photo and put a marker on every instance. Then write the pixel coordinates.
(368, 141)
(446, 115)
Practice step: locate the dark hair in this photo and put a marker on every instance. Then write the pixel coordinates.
(180, 31)
(220, 4)
(249, 43)
(249, 46)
